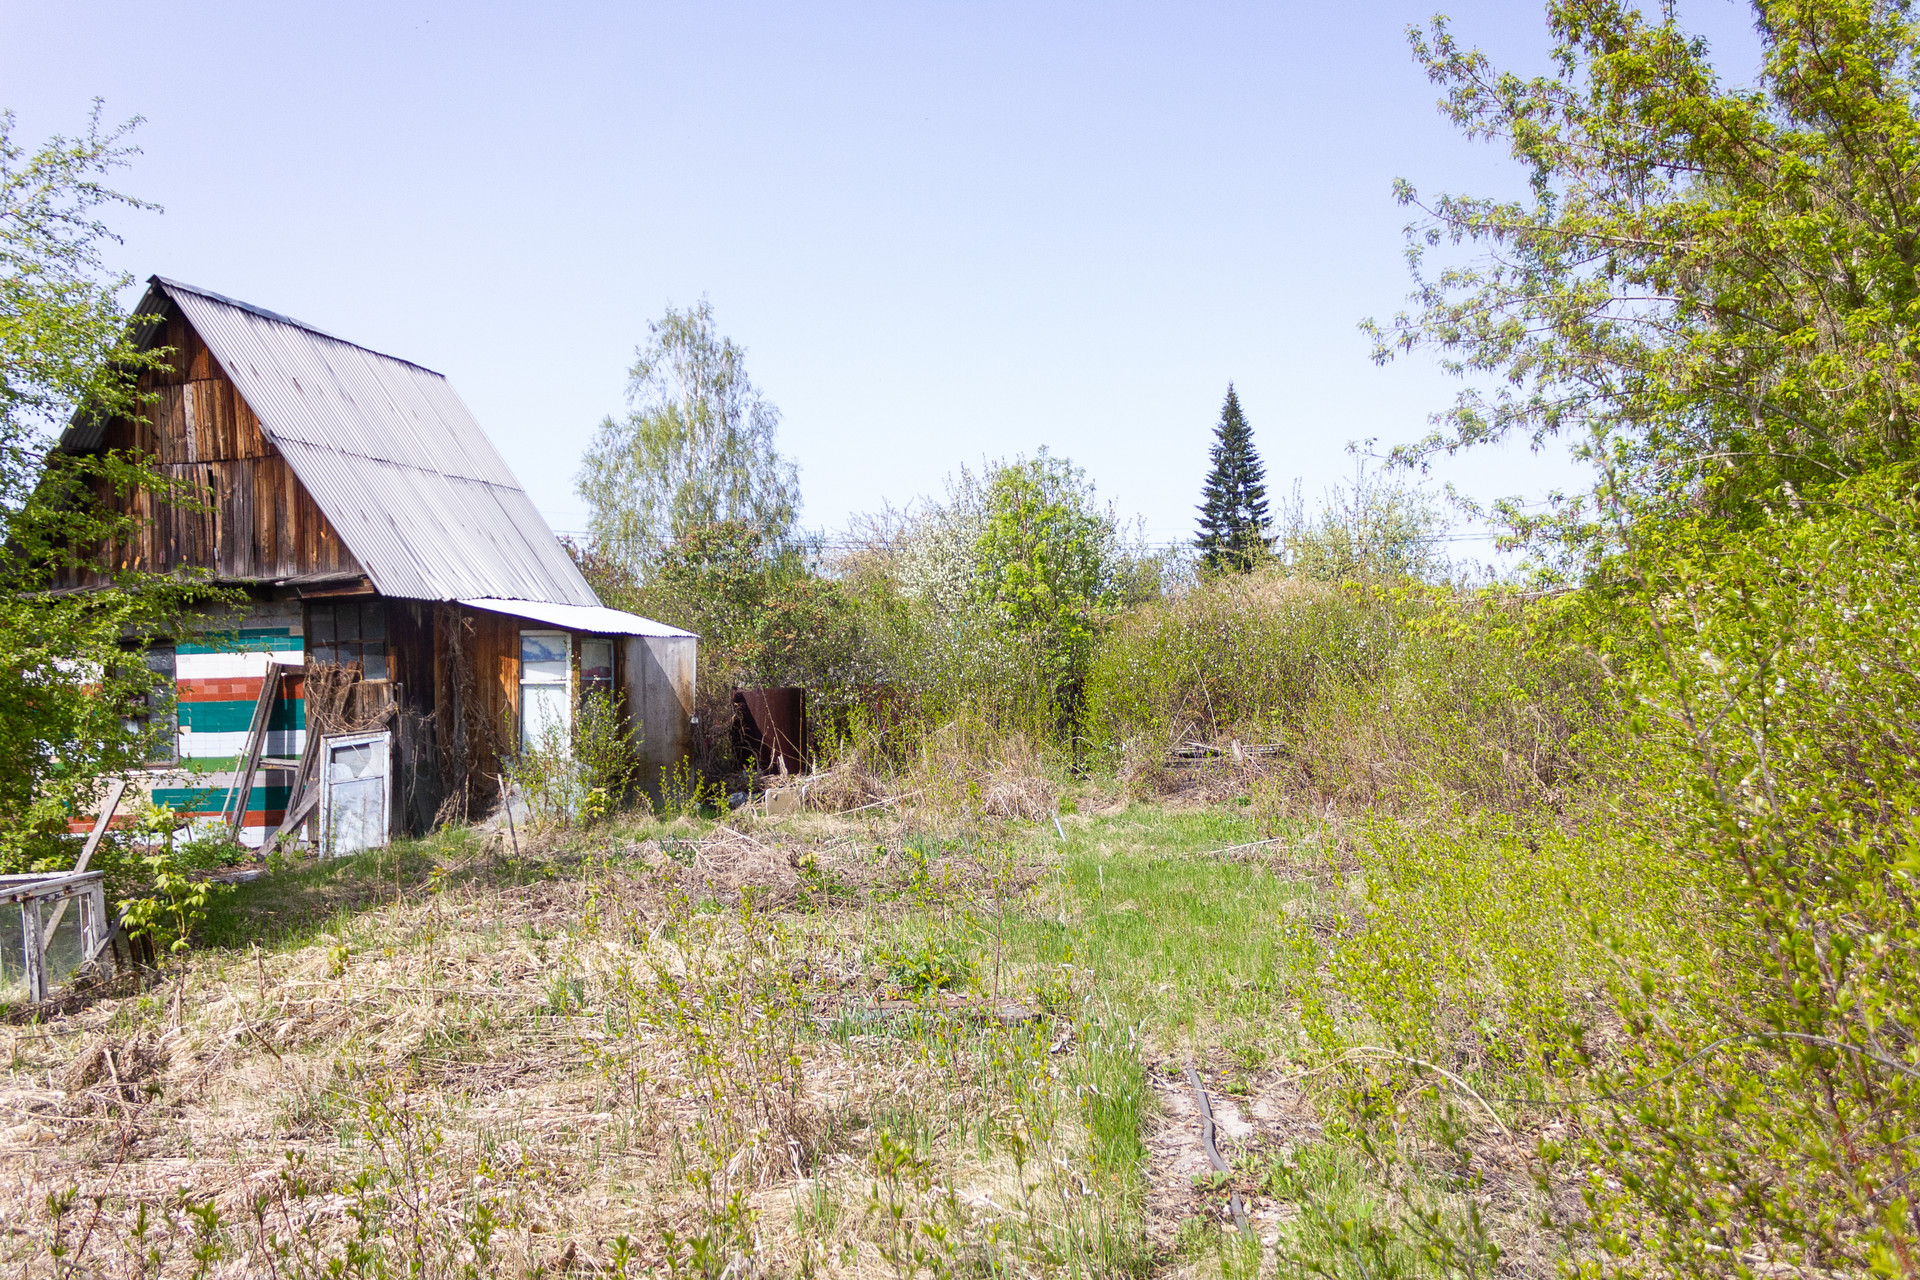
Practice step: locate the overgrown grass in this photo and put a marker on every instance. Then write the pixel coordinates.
(1415, 955)
(681, 1089)
(1370, 695)
(1194, 945)
(289, 907)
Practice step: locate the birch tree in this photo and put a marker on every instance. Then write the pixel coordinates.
(695, 449)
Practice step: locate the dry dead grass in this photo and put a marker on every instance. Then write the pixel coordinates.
(548, 1069)
(848, 784)
(959, 773)
(964, 771)
(693, 1046)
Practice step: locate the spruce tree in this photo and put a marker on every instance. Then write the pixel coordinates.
(1233, 519)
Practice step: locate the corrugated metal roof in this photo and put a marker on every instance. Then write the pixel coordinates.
(567, 617)
(391, 455)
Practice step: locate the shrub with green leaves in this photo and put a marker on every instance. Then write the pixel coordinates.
(1706, 967)
(1050, 564)
(70, 668)
(168, 900)
(1373, 694)
(1768, 1079)
(582, 772)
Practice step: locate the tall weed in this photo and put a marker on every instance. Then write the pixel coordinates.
(1372, 695)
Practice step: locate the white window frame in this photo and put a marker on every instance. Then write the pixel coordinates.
(544, 680)
(378, 738)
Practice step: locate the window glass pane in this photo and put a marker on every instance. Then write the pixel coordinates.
(543, 657)
(596, 665)
(145, 718)
(352, 762)
(13, 971)
(65, 950)
(320, 624)
(541, 705)
(373, 620)
(373, 659)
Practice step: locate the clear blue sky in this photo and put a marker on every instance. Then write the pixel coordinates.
(941, 230)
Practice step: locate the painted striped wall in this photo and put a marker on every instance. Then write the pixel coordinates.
(201, 803)
(216, 685)
(201, 797)
(218, 682)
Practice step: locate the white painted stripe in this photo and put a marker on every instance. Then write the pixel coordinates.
(232, 666)
(208, 746)
(250, 836)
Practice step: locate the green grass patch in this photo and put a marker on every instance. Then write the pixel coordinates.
(1194, 946)
(290, 905)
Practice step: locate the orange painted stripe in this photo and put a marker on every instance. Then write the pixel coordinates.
(255, 818)
(84, 826)
(239, 689)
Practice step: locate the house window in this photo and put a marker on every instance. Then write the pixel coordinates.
(546, 694)
(344, 632)
(152, 715)
(596, 666)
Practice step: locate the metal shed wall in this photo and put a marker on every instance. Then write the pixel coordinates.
(658, 673)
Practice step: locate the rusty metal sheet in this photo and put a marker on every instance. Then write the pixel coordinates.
(771, 725)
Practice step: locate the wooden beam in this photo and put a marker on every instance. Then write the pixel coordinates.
(298, 815)
(305, 780)
(242, 788)
(114, 793)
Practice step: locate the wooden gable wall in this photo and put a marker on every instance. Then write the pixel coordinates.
(259, 521)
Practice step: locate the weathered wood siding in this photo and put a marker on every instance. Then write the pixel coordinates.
(257, 522)
(496, 659)
(420, 765)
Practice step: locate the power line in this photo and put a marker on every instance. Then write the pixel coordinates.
(584, 538)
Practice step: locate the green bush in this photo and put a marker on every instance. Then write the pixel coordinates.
(1703, 966)
(1244, 655)
(584, 772)
(1767, 1078)
(1373, 693)
(1475, 939)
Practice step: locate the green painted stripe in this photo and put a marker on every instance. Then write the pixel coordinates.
(246, 640)
(237, 717)
(213, 799)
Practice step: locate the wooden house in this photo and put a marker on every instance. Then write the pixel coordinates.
(370, 523)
